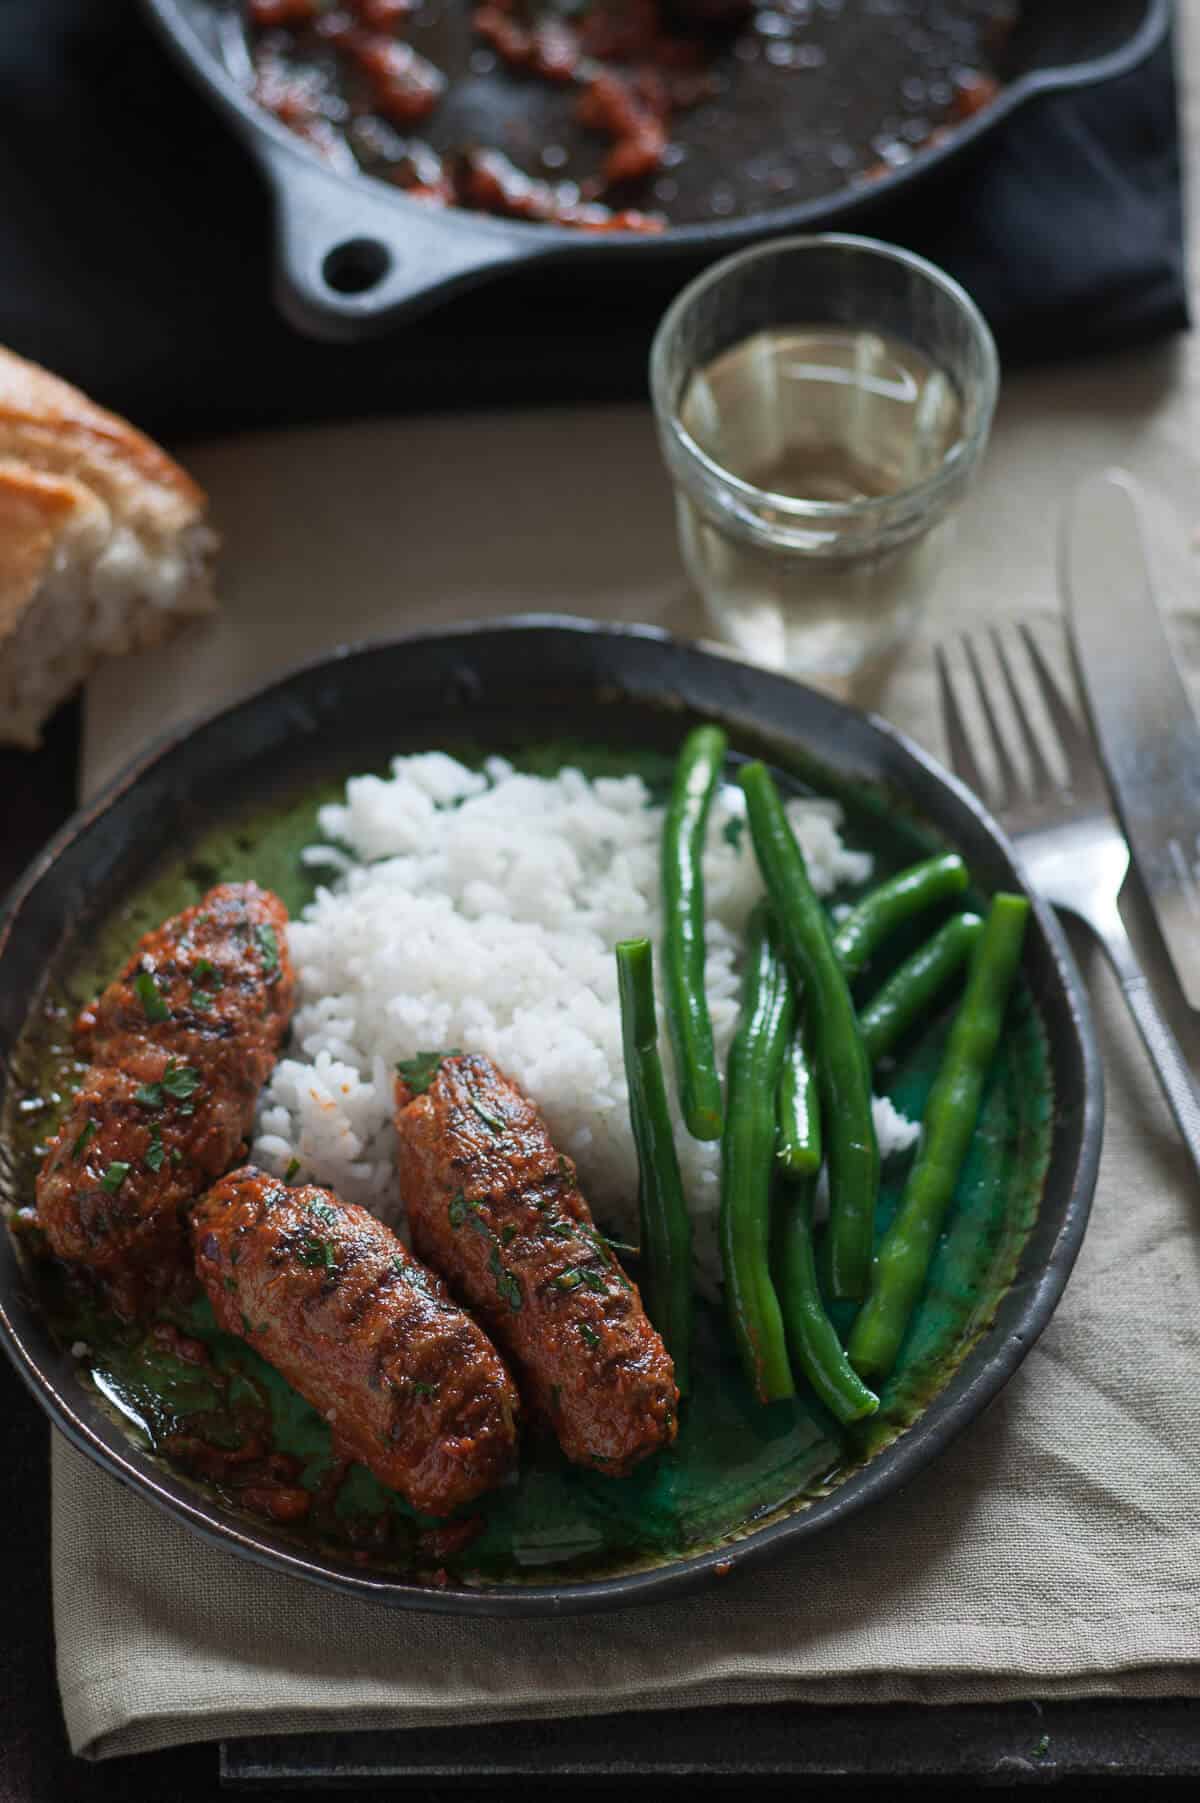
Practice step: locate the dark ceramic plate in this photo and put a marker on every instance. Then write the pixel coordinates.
(235, 796)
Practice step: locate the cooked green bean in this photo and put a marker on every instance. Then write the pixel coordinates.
(902, 1262)
(843, 1075)
(666, 1225)
(907, 994)
(697, 773)
(747, 1162)
(798, 1153)
(811, 1334)
(857, 938)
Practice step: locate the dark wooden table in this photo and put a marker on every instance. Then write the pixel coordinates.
(1083, 1748)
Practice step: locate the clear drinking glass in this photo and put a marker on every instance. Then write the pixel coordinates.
(822, 403)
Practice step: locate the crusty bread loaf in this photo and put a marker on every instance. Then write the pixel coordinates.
(103, 543)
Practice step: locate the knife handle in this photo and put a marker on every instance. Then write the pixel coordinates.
(1178, 1084)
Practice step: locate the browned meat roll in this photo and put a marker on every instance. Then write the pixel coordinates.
(181, 1043)
(413, 1389)
(496, 1209)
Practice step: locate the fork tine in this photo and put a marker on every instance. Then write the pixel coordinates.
(1074, 741)
(961, 755)
(1042, 776)
(1010, 781)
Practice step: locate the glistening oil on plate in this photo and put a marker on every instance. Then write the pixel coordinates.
(182, 1384)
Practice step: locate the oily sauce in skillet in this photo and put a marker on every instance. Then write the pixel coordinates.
(622, 114)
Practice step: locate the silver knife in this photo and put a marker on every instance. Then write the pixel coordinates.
(1144, 723)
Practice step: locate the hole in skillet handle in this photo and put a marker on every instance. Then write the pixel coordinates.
(356, 266)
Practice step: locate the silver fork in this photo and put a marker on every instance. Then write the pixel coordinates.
(1073, 850)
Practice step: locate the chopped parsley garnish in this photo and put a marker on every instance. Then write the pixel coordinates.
(489, 1120)
(178, 1081)
(205, 971)
(510, 1291)
(602, 1242)
(412, 1274)
(576, 1275)
(327, 1216)
(457, 1210)
(293, 1170)
(507, 1287)
(598, 1241)
(203, 999)
(87, 1134)
(153, 1006)
(157, 1151)
(591, 1337)
(423, 1389)
(508, 1234)
(419, 1072)
(114, 1177)
(268, 945)
(314, 1253)
(617, 1245)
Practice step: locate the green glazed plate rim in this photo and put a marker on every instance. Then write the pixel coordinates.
(451, 678)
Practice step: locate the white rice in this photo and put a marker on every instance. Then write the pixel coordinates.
(480, 911)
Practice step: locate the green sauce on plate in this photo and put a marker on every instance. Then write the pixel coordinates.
(181, 1386)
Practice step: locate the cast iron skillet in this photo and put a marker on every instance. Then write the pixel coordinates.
(529, 676)
(355, 256)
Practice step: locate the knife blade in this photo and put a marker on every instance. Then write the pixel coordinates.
(1143, 721)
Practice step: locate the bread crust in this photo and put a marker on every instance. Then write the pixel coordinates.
(73, 476)
(50, 426)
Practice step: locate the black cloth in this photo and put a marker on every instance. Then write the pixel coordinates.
(135, 246)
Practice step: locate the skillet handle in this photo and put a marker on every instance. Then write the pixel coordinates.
(350, 263)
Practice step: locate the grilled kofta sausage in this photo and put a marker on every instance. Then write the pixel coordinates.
(496, 1209)
(180, 1046)
(414, 1389)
